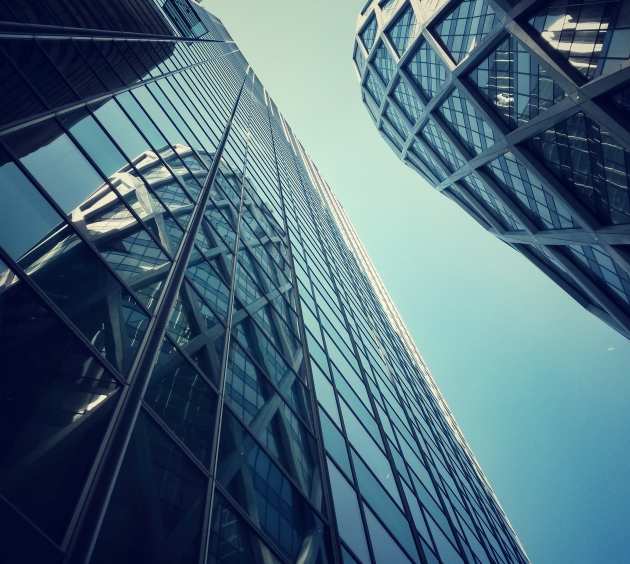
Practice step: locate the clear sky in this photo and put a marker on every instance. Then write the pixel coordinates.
(540, 387)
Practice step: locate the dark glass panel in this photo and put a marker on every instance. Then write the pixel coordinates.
(184, 400)
(17, 99)
(25, 216)
(271, 501)
(232, 541)
(39, 71)
(156, 511)
(592, 163)
(21, 542)
(54, 407)
(348, 514)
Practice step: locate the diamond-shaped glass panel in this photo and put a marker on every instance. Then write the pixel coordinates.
(466, 122)
(513, 81)
(603, 268)
(369, 33)
(435, 137)
(392, 135)
(430, 162)
(475, 185)
(373, 86)
(465, 27)
(541, 206)
(591, 34)
(396, 120)
(404, 30)
(427, 70)
(384, 64)
(359, 58)
(408, 101)
(592, 163)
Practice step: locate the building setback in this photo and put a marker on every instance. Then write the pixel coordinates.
(518, 112)
(199, 361)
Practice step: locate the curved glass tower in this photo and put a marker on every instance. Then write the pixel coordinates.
(199, 362)
(518, 112)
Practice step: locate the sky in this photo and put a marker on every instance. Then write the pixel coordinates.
(540, 387)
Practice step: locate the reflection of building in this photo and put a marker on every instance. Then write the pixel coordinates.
(518, 113)
(200, 362)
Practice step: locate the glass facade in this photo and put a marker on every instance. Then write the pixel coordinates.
(520, 116)
(200, 363)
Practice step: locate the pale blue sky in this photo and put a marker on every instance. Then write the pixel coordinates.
(540, 387)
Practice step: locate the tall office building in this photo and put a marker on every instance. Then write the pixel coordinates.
(518, 112)
(199, 362)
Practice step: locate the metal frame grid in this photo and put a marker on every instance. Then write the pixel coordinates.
(517, 176)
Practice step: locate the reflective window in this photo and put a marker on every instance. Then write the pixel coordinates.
(385, 548)
(348, 513)
(396, 120)
(428, 71)
(404, 30)
(592, 163)
(467, 123)
(385, 66)
(156, 510)
(374, 87)
(604, 269)
(184, 400)
(475, 185)
(515, 83)
(232, 541)
(593, 35)
(465, 26)
(264, 492)
(544, 209)
(429, 160)
(20, 200)
(54, 409)
(369, 33)
(435, 137)
(408, 101)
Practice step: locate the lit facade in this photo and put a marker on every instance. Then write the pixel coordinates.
(518, 112)
(200, 363)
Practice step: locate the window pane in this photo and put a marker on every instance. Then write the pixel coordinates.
(156, 510)
(55, 404)
(348, 513)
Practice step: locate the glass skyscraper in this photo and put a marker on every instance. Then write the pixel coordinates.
(199, 361)
(518, 112)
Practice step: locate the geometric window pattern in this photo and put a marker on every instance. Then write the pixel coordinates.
(592, 163)
(368, 34)
(359, 59)
(373, 86)
(465, 27)
(475, 185)
(397, 122)
(466, 122)
(515, 83)
(404, 30)
(407, 100)
(384, 64)
(392, 134)
(231, 438)
(526, 186)
(434, 136)
(427, 70)
(604, 268)
(434, 164)
(509, 106)
(591, 34)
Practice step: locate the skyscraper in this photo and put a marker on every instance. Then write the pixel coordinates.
(199, 361)
(518, 112)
